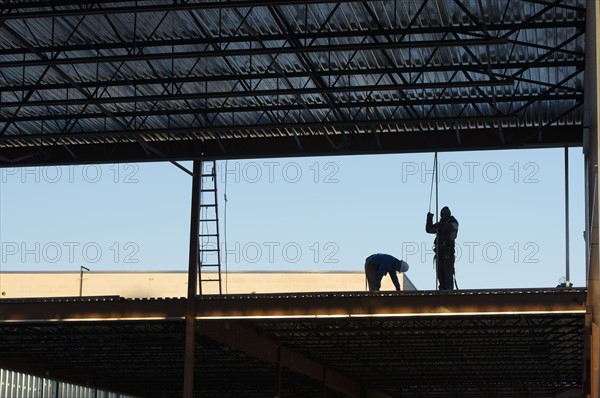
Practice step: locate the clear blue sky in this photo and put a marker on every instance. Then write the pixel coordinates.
(323, 213)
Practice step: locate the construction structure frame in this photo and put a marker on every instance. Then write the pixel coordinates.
(85, 82)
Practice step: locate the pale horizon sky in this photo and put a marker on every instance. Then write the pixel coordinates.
(316, 213)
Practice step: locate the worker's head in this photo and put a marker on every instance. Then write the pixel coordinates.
(445, 213)
(403, 266)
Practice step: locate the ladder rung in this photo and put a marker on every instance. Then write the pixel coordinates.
(207, 190)
(209, 265)
(211, 219)
(209, 205)
(208, 235)
(209, 250)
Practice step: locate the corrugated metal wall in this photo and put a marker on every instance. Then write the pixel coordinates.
(21, 385)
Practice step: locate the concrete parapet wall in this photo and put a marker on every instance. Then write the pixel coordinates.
(174, 284)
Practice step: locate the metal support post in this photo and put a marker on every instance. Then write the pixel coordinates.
(277, 392)
(81, 269)
(567, 266)
(595, 362)
(190, 316)
(324, 383)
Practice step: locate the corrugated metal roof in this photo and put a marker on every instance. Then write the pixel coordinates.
(307, 76)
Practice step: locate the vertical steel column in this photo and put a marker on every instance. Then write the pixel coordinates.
(595, 360)
(567, 273)
(592, 105)
(592, 131)
(324, 383)
(190, 315)
(277, 392)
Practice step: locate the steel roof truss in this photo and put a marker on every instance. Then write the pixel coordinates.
(282, 23)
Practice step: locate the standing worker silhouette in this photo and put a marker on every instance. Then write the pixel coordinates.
(377, 265)
(446, 230)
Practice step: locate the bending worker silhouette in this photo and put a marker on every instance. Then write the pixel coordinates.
(377, 265)
(446, 229)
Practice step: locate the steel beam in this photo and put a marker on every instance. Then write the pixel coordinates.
(56, 12)
(265, 349)
(309, 35)
(384, 106)
(393, 304)
(277, 376)
(595, 361)
(194, 253)
(591, 150)
(253, 52)
(266, 129)
(140, 7)
(296, 92)
(300, 305)
(184, 144)
(273, 75)
(91, 309)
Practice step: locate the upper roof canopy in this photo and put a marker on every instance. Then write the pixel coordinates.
(105, 81)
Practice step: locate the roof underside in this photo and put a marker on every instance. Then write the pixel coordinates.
(472, 344)
(106, 81)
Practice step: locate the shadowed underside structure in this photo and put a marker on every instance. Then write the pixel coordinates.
(106, 81)
(525, 343)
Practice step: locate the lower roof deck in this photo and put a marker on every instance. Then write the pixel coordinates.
(506, 343)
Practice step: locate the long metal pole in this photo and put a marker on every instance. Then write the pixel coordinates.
(437, 212)
(567, 272)
(190, 316)
(80, 281)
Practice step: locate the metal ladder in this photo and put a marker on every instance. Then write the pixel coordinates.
(209, 255)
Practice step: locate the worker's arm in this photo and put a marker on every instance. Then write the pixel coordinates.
(444, 227)
(395, 280)
(429, 226)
